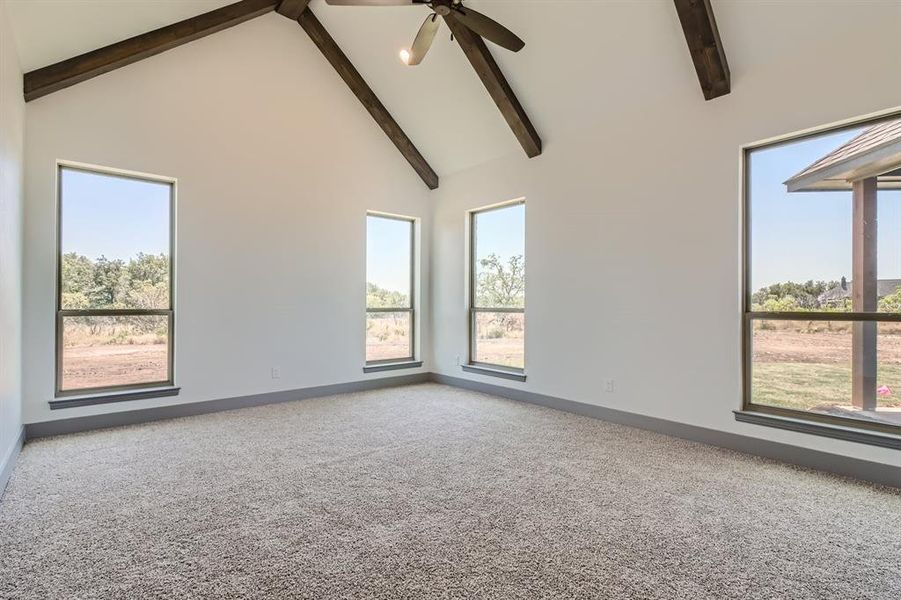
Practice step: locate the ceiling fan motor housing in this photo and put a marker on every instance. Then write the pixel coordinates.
(442, 7)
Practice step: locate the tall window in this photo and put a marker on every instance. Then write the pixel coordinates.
(114, 307)
(497, 287)
(822, 324)
(390, 282)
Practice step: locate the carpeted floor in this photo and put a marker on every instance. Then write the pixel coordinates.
(431, 492)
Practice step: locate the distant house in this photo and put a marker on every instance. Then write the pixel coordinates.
(839, 293)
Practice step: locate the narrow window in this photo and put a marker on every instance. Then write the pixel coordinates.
(114, 323)
(497, 287)
(822, 325)
(390, 284)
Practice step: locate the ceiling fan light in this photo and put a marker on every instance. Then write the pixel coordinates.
(405, 56)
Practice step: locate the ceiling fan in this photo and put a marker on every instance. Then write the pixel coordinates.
(449, 9)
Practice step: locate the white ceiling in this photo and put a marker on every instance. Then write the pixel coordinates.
(48, 31)
(582, 57)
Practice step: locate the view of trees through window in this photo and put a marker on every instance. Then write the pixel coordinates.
(801, 253)
(498, 287)
(115, 310)
(389, 289)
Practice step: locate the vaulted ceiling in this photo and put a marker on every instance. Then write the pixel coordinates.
(581, 58)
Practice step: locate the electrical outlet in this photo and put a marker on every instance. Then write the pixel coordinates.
(276, 373)
(609, 386)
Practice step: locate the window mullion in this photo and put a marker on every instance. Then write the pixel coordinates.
(822, 316)
(115, 312)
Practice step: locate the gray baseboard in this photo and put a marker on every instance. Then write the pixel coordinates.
(132, 417)
(814, 459)
(8, 463)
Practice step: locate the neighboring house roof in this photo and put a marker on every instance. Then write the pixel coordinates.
(884, 287)
(874, 153)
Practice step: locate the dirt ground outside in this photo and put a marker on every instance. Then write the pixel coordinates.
(499, 339)
(114, 364)
(388, 350)
(802, 367)
(507, 352)
(388, 336)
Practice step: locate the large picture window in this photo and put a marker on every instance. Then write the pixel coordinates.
(497, 287)
(390, 284)
(822, 324)
(115, 317)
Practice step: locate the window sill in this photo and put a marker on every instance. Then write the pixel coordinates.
(850, 434)
(107, 398)
(491, 372)
(407, 364)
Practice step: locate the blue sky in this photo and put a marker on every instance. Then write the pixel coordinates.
(501, 231)
(807, 235)
(388, 253)
(113, 216)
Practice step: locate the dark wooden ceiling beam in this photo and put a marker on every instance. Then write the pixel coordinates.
(705, 46)
(498, 88)
(292, 8)
(103, 60)
(366, 96)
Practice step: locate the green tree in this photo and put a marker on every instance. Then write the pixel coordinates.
(146, 295)
(500, 285)
(891, 303)
(147, 283)
(800, 296)
(784, 304)
(77, 280)
(109, 284)
(148, 268)
(378, 297)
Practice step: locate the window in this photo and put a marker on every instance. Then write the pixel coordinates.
(114, 323)
(497, 287)
(390, 282)
(822, 303)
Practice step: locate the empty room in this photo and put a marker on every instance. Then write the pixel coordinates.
(401, 299)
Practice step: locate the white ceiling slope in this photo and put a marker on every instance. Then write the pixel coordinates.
(48, 31)
(584, 60)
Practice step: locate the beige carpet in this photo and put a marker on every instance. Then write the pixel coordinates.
(431, 492)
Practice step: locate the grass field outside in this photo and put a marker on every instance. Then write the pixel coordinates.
(806, 365)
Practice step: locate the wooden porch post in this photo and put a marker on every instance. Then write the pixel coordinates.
(864, 295)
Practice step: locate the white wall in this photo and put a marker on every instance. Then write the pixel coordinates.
(632, 219)
(277, 163)
(12, 117)
(638, 187)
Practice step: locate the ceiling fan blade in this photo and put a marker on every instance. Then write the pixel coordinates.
(424, 39)
(488, 28)
(373, 2)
